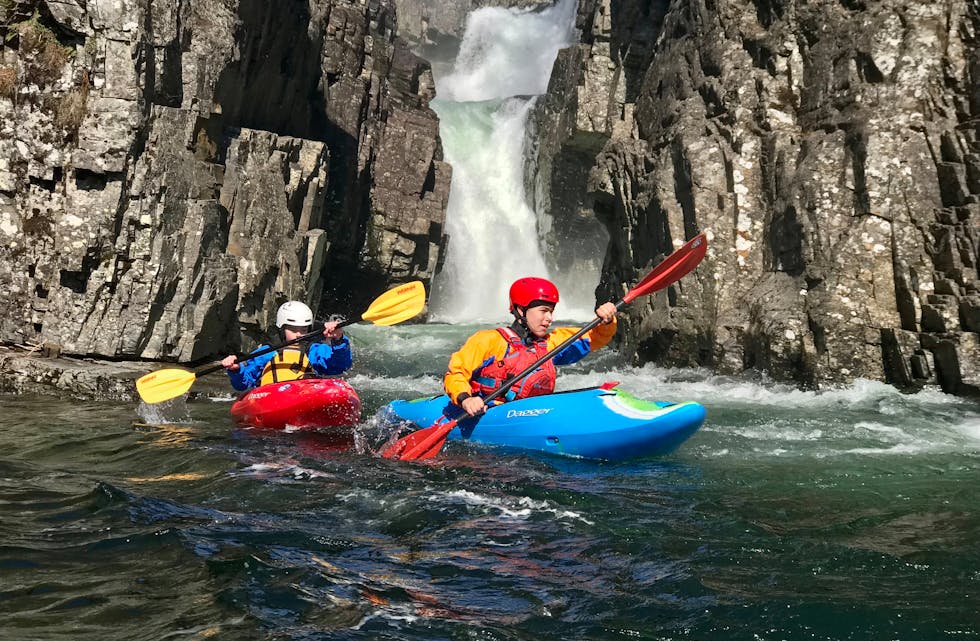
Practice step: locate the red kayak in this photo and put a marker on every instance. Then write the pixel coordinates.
(303, 404)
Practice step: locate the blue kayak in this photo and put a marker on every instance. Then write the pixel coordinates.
(600, 422)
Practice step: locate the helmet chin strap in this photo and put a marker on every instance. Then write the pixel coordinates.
(520, 325)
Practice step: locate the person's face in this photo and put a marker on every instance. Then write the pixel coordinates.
(539, 319)
(292, 332)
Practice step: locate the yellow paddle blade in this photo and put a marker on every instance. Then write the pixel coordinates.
(397, 304)
(165, 384)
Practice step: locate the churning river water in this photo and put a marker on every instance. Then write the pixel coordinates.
(846, 514)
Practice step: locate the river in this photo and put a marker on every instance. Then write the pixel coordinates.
(844, 514)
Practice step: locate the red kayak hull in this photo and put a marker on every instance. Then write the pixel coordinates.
(304, 404)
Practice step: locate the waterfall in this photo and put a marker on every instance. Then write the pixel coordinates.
(504, 61)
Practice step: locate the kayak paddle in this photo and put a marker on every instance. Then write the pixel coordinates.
(394, 306)
(426, 443)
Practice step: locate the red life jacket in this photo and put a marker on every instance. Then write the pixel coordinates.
(517, 358)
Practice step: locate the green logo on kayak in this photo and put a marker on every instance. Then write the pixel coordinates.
(625, 404)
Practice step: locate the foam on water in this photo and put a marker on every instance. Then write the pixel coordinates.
(405, 340)
(420, 385)
(281, 471)
(971, 429)
(170, 412)
(700, 385)
(519, 508)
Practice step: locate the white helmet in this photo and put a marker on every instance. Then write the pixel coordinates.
(294, 313)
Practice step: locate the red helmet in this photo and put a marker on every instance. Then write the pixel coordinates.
(527, 290)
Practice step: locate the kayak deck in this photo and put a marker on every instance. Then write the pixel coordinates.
(310, 403)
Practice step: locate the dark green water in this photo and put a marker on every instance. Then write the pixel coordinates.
(848, 514)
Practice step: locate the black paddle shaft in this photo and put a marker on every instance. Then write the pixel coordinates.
(276, 348)
(510, 382)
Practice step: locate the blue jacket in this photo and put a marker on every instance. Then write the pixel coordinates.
(327, 360)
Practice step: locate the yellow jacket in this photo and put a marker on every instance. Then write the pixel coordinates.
(486, 346)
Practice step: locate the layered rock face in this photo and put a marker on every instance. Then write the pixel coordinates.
(829, 149)
(170, 172)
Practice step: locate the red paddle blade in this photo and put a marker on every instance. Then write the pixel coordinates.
(430, 447)
(671, 269)
(420, 444)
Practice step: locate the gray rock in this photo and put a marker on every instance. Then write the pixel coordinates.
(822, 147)
(221, 159)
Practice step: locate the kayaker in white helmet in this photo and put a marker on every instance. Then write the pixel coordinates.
(491, 356)
(304, 360)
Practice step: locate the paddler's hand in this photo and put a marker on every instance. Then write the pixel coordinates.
(333, 331)
(473, 406)
(230, 363)
(607, 312)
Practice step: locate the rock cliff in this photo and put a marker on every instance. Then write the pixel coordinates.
(830, 150)
(170, 168)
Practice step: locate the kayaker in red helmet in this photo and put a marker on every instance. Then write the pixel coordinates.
(295, 361)
(489, 357)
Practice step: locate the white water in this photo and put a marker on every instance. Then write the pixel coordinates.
(508, 52)
(493, 238)
(749, 417)
(504, 60)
